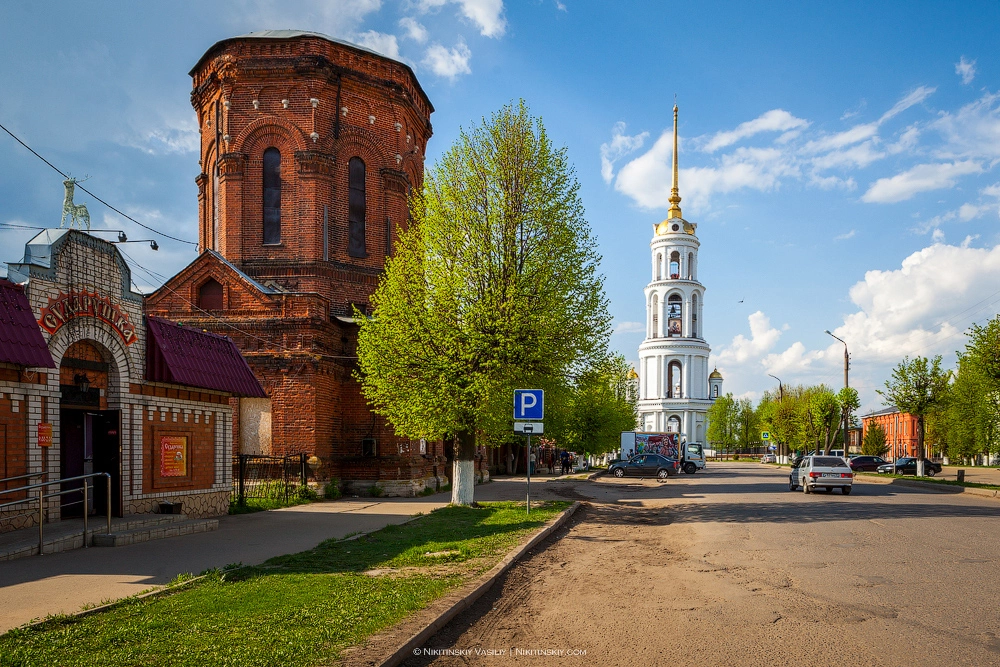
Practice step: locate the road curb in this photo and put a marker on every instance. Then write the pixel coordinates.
(484, 584)
(931, 486)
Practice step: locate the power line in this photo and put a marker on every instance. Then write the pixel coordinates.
(63, 174)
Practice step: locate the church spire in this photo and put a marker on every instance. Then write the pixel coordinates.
(675, 197)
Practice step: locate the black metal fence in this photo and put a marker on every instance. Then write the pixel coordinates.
(269, 477)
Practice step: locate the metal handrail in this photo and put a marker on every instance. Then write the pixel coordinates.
(11, 479)
(42, 496)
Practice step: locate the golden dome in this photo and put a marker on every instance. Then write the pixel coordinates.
(716, 375)
(632, 375)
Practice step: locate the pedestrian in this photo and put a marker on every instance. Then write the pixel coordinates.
(532, 462)
(564, 458)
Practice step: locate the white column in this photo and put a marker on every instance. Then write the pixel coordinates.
(687, 376)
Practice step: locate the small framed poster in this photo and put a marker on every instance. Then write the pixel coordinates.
(173, 455)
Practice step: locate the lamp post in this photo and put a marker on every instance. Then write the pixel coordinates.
(847, 363)
(781, 397)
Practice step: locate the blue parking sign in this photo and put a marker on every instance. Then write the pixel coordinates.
(529, 404)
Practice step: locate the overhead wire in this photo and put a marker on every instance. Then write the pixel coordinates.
(116, 210)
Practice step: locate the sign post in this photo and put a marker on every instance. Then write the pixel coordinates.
(529, 404)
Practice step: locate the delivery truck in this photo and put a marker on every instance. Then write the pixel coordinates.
(690, 455)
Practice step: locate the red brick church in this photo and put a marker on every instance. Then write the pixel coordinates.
(309, 149)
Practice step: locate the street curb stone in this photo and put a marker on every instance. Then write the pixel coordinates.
(931, 486)
(484, 584)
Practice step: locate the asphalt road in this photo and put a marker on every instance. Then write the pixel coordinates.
(728, 567)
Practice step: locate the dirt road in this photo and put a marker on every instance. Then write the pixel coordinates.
(730, 568)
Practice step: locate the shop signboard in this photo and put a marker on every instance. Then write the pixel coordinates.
(173, 455)
(44, 434)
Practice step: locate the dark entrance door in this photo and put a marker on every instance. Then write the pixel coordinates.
(90, 442)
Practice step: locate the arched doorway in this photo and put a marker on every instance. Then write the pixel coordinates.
(90, 438)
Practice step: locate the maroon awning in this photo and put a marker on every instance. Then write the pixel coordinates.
(21, 339)
(179, 355)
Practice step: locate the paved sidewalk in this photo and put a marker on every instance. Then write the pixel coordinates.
(37, 586)
(60, 583)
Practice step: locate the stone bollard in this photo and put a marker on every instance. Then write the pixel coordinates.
(961, 475)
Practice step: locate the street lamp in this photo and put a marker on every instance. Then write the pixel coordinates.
(781, 397)
(847, 363)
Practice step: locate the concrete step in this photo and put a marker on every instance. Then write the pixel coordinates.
(155, 532)
(68, 533)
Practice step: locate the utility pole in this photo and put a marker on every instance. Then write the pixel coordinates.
(847, 364)
(781, 399)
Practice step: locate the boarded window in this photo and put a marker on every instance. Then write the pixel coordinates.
(210, 295)
(357, 204)
(272, 196)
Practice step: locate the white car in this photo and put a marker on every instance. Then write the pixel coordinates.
(769, 458)
(822, 472)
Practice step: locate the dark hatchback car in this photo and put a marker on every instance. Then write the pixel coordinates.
(645, 465)
(908, 466)
(866, 463)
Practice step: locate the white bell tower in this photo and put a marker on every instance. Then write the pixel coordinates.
(675, 388)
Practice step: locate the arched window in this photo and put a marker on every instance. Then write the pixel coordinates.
(674, 424)
(659, 266)
(210, 295)
(694, 315)
(691, 266)
(272, 196)
(674, 380)
(674, 316)
(357, 204)
(675, 265)
(655, 308)
(715, 391)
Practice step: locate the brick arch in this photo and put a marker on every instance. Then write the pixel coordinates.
(270, 131)
(363, 144)
(122, 368)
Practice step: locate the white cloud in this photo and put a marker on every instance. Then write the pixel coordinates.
(844, 237)
(921, 178)
(973, 131)
(414, 30)
(487, 15)
(763, 338)
(775, 120)
(379, 42)
(620, 145)
(448, 63)
(916, 97)
(629, 328)
(966, 69)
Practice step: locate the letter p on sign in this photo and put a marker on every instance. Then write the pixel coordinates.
(529, 404)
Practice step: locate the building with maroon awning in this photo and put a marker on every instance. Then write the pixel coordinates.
(21, 341)
(181, 355)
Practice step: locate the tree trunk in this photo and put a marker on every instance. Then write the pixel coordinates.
(920, 446)
(464, 476)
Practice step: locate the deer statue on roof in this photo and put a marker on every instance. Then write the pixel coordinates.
(79, 216)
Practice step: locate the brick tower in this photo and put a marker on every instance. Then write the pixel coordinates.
(309, 149)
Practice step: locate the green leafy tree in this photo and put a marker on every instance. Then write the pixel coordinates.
(874, 442)
(747, 424)
(602, 405)
(918, 386)
(722, 419)
(493, 286)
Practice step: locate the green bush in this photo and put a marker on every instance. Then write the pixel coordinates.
(375, 491)
(331, 491)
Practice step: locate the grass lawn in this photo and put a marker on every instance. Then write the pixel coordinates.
(299, 609)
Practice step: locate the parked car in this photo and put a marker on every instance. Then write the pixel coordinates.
(908, 466)
(866, 463)
(821, 472)
(646, 465)
(769, 458)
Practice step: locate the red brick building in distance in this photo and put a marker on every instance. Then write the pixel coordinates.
(309, 149)
(900, 431)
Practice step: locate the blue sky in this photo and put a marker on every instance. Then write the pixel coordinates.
(841, 162)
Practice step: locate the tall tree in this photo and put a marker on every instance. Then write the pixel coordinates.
(601, 406)
(494, 286)
(722, 417)
(918, 386)
(747, 424)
